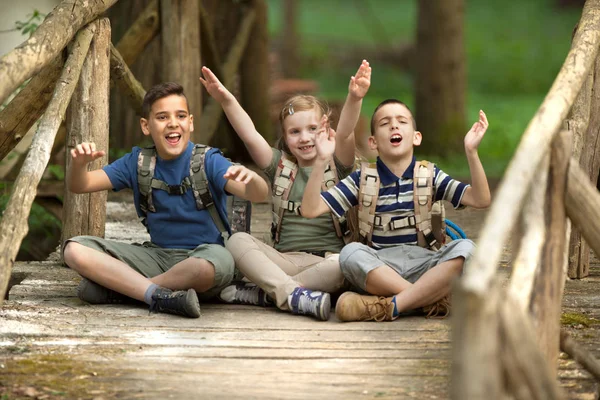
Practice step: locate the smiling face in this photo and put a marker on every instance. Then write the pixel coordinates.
(394, 134)
(300, 130)
(169, 123)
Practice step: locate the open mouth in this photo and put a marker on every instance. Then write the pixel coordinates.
(396, 139)
(173, 138)
(306, 149)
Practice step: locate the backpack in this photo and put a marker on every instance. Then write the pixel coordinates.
(285, 175)
(429, 219)
(238, 210)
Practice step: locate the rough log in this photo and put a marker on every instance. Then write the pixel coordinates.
(476, 372)
(26, 108)
(213, 110)
(141, 32)
(579, 354)
(46, 42)
(526, 372)
(13, 226)
(126, 81)
(534, 144)
(527, 262)
(547, 292)
(180, 35)
(582, 205)
(88, 121)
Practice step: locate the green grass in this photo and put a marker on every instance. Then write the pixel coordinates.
(514, 51)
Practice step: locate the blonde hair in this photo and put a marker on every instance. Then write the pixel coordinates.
(294, 104)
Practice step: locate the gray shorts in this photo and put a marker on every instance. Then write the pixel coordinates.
(409, 261)
(150, 260)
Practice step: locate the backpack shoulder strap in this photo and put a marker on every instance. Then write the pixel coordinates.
(423, 200)
(201, 188)
(145, 172)
(285, 174)
(367, 200)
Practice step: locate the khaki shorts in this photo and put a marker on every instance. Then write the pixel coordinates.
(150, 260)
(409, 261)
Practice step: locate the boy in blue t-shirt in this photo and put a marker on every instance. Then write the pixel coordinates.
(401, 275)
(185, 255)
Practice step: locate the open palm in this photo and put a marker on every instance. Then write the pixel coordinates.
(475, 135)
(213, 85)
(361, 81)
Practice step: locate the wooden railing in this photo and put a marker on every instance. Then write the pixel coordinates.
(506, 340)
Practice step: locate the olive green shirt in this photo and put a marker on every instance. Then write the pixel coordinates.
(304, 234)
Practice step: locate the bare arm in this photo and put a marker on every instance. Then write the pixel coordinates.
(357, 89)
(79, 179)
(312, 203)
(246, 184)
(478, 195)
(257, 146)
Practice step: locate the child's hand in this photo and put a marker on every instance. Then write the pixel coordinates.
(85, 153)
(325, 140)
(213, 85)
(360, 82)
(474, 136)
(239, 173)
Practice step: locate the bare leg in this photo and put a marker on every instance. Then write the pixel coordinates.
(194, 273)
(384, 281)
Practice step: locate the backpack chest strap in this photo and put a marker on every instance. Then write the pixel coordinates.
(367, 200)
(386, 223)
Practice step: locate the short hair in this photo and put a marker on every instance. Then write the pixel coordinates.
(386, 102)
(300, 102)
(158, 92)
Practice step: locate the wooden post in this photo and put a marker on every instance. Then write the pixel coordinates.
(88, 121)
(180, 33)
(255, 73)
(582, 205)
(546, 300)
(476, 373)
(13, 226)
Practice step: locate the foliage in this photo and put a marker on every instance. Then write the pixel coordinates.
(31, 24)
(512, 59)
(57, 171)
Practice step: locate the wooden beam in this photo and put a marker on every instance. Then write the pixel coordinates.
(122, 76)
(46, 42)
(535, 142)
(88, 121)
(213, 110)
(13, 226)
(140, 33)
(583, 356)
(180, 34)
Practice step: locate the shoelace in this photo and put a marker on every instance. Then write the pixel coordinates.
(376, 311)
(439, 309)
(308, 304)
(166, 300)
(248, 295)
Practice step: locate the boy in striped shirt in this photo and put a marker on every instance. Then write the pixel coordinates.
(397, 274)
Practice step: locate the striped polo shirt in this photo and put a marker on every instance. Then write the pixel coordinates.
(395, 199)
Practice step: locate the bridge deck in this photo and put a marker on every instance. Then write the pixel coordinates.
(54, 346)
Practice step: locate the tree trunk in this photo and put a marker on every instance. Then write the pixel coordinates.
(290, 41)
(441, 76)
(46, 42)
(140, 33)
(13, 226)
(85, 214)
(180, 34)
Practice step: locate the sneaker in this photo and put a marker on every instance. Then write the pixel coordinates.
(93, 293)
(439, 309)
(245, 293)
(310, 302)
(181, 302)
(355, 307)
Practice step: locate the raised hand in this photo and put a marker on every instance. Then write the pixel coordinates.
(475, 135)
(239, 173)
(85, 153)
(213, 85)
(325, 140)
(360, 82)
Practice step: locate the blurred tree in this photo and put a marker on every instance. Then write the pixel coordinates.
(290, 42)
(441, 75)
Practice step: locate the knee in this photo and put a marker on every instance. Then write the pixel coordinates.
(238, 242)
(72, 254)
(348, 256)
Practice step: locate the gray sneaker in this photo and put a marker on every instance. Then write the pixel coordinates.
(181, 302)
(93, 293)
(245, 293)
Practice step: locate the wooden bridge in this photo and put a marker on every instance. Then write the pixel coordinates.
(506, 324)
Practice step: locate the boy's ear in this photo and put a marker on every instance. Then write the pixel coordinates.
(372, 143)
(144, 125)
(191, 123)
(417, 138)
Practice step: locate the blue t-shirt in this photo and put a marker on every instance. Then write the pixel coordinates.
(177, 223)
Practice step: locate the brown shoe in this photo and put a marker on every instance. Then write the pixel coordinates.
(355, 307)
(439, 309)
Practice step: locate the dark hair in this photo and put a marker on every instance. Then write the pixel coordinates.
(158, 92)
(384, 103)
